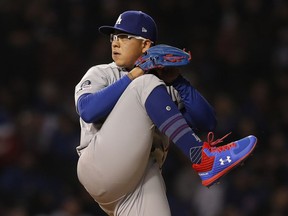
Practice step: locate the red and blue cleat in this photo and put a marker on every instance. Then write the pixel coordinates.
(218, 161)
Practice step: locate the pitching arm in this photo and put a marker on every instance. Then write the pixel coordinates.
(93, 107)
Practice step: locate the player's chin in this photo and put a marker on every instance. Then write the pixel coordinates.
(123, 64)
(118, 61)
(119, 64)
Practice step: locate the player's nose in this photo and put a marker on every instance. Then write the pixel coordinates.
(115, 43)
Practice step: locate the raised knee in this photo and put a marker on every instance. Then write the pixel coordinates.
(147, 80)
(145, 84)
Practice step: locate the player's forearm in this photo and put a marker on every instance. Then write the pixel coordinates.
(93, 107)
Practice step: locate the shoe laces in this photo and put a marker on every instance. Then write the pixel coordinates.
(212, 143)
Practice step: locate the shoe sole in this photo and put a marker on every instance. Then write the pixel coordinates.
(213, 180)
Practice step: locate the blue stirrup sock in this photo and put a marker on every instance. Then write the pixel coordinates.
(169, 120)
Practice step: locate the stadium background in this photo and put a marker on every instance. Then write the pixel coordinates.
(240, 63)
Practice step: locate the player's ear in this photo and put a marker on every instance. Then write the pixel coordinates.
(146, 44)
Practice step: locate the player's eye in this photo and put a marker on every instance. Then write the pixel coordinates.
(122, 37)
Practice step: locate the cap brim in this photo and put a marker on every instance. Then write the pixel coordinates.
(107, 30)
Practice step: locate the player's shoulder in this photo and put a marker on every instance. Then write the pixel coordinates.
(107, 73)
(103, 68)
(110, 72)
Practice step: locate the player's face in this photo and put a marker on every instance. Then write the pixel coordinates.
(125, 51)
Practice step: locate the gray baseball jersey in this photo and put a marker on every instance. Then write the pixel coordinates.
(116, 163)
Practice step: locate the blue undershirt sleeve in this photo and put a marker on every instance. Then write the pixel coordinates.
(94, 106)
(198, 112)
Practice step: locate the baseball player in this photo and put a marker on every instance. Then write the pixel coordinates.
(131, 109)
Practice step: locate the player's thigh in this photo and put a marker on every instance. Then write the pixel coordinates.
(124, 142)
(125, 139)
(115, 160)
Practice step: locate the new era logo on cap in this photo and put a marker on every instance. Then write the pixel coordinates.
(133, 22)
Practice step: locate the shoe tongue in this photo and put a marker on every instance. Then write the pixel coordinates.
(206, 145)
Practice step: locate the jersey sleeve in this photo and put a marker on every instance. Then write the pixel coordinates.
(93, 81)
(197, 111)
(97, 93)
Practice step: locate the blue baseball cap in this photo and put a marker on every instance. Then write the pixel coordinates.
(135, 23)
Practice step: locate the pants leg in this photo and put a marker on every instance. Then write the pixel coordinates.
(116, 159)
(149, 198)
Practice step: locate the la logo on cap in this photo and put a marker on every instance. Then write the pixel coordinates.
(119, 20)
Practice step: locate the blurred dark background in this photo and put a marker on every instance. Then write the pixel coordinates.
(240, 63)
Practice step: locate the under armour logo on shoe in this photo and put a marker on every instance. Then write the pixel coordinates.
(118, 22)
(222, 161)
